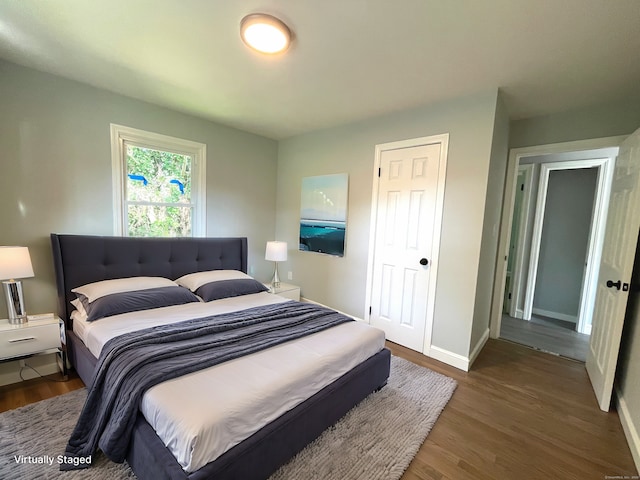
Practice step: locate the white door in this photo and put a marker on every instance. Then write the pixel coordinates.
(621, 237)
(406, 231)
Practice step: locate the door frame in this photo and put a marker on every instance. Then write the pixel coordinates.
(518, 263)
(443, 140)
(594, 242)
(515, 155)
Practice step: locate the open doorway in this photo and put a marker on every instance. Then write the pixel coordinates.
(555, 245)
(617, 247)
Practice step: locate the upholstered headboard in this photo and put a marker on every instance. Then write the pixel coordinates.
(82, 259)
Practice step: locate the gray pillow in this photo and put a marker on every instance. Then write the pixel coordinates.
(136, 300)
(229, 288)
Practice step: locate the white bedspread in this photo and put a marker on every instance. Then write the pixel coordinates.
(202, 415)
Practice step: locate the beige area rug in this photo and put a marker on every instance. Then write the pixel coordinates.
(375, 440)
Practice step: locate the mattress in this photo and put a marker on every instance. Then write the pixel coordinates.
(95, 334)
(202, 415)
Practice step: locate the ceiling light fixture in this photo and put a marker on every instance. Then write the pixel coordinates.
(265, 33)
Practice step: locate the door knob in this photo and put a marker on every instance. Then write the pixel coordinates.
(617, 284)
(424, 261)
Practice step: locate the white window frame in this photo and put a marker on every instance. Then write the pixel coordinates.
(156, 141)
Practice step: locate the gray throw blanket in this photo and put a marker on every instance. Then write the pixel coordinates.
(132, 363)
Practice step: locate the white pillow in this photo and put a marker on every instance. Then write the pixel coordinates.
(79, 316)
(100, 289)
(193, 281)
(79, 307)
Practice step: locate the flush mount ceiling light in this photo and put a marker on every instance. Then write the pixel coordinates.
(265, 33)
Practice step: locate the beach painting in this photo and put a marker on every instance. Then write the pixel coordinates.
(323, 214)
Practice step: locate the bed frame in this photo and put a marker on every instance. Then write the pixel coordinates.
(81, 259)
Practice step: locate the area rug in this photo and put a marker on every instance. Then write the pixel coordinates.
(376, 440)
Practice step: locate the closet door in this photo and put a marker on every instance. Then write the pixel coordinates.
(407, 228)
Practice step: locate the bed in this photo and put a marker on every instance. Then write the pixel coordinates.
(81, 260)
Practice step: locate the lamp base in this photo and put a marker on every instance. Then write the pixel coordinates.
(18, 320)
(15, 302)
(275, 283)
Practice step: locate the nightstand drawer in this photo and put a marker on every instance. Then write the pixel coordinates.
(25, 341)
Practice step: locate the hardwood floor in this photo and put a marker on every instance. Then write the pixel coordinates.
(31, 391)
(518, 414)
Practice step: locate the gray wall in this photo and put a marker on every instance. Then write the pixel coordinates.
(491, 231)
(56, 170)
(341, 282)
(565, 236)
(604, 120)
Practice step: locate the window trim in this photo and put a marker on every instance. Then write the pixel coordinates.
(156, 141)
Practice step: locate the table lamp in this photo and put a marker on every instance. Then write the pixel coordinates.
(15, 263)
(276, 252)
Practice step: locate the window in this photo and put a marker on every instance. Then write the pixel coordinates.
(158, 182)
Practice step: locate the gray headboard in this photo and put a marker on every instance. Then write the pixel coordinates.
(82, 259)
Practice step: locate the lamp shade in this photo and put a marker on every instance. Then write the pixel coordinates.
(276, 251)
(15, 262)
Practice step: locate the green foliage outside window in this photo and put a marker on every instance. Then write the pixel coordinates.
(158, 193)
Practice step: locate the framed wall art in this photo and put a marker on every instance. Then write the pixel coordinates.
(323, 214)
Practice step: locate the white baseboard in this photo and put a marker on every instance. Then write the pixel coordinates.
(556, 315)
(630, 430)
(308, 300)
(450, 358)
(478, 348)
(44, 364)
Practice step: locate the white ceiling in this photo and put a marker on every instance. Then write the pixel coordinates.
(351, 60)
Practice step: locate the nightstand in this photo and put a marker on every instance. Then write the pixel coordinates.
(286, 290)
(41, 334)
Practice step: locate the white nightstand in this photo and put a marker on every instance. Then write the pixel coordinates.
(286, 290)
(41, 334)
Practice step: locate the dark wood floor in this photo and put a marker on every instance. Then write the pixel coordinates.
(518, 414)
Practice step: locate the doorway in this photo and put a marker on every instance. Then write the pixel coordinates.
(555, 246)
(617, 247)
